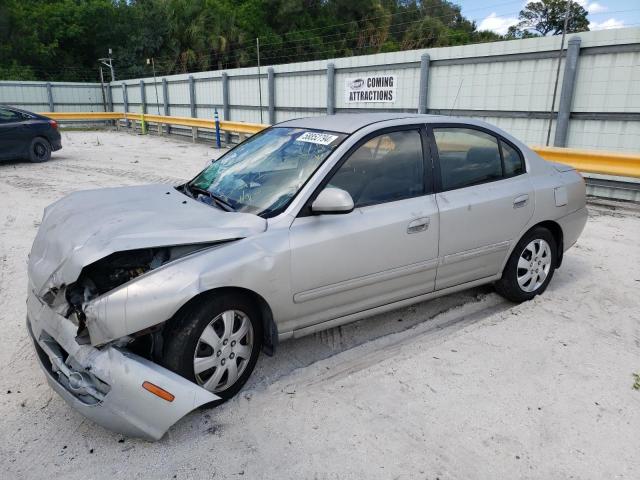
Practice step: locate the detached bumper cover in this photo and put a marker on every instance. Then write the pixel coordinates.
(105, 385)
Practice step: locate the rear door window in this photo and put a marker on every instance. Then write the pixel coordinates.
(467, 157)
(8, 116)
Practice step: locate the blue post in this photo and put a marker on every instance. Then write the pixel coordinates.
(215, 116)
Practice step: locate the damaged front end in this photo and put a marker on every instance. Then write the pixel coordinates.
(117, 384)
(107, 274)
(106, 270)
(110, 385)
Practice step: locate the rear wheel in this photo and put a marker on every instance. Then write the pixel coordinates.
(530, 266)
(39, 150)
(215, 343)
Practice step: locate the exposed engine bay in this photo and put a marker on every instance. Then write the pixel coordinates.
(113, 271)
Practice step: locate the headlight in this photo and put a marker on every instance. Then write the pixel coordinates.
(119, 268)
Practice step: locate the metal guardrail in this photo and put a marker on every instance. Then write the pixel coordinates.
(616, 188)
(237, 127)
(83, 115)
(593, 161)
(587, 161)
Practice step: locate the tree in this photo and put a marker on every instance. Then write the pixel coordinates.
(547, 17)
(63, 39)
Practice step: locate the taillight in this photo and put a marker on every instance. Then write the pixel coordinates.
(53, 124)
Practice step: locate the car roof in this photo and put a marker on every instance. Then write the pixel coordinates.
(19, 110)
(13, 109)
(345, 122)
(351, 122)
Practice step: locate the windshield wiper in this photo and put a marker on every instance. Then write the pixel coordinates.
(221, 202)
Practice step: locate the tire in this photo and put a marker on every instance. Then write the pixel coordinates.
(200, 334)
(530, 267)
(39, 150)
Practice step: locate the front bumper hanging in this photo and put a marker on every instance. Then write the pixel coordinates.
(106, 384)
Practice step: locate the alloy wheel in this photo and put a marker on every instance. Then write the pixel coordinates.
(223, 350)
(534, 265)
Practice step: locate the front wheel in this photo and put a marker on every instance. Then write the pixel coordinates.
(530, 266)
(215, 343)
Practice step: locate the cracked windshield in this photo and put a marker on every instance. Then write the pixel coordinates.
(264, 173)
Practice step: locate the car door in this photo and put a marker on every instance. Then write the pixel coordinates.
(12, 134)
(386, 249)
(485, 199)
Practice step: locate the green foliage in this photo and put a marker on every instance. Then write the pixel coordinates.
(547, 17)
(636, 383)
(62, 39)
(14, 71)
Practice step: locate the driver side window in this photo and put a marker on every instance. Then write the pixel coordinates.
(387, 168)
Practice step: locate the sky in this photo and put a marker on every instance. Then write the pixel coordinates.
(498, 15)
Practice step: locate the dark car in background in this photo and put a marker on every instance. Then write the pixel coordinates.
(27, 135)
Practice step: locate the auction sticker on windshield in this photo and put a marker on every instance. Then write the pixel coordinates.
(314, 137)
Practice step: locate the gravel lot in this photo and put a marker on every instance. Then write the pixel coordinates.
(466, 386)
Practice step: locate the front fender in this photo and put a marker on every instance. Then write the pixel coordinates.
(155, 297)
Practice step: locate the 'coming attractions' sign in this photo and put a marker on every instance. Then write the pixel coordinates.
(373, 89)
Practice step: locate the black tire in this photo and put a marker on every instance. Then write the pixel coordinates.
(182, 338)
(39, 150)
(508, 285)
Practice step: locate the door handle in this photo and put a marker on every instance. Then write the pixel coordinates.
(521, 201)
(418, 225)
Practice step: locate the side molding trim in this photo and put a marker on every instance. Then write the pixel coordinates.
(364, 281)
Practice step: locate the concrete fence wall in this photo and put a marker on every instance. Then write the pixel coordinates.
(52, 96)
(509, 84)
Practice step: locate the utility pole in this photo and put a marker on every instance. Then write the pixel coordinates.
(555, 86)
(108, 62)
(104, 100)
(155, 83)
(259, 81)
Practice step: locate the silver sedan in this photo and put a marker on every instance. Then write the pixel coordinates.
(147, 302)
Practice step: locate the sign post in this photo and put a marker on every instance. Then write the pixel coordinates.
(143, 125)
(217, 120)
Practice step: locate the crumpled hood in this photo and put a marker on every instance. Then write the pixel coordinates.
(86, 226)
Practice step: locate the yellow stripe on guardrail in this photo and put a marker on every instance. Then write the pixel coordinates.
(593, 161)
(239, 127)
(587, 161)
(83, 115)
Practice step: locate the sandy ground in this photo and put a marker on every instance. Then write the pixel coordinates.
(466, 386)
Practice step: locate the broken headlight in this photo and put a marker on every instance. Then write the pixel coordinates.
(117, 269)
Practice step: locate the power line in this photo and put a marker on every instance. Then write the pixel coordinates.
(485, 7)
(247, 50)
(346, 36)
(248, 46)
(287, 49)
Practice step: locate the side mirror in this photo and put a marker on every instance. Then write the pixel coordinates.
(332, 200)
